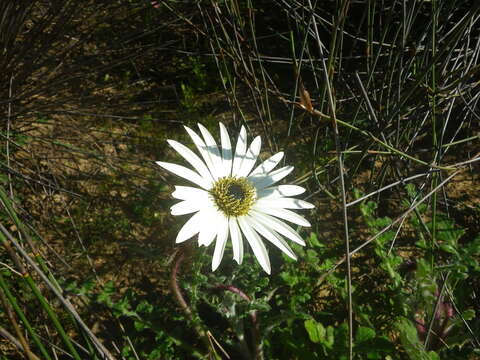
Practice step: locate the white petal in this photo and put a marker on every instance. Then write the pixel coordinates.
(203, 149)
(256, 244)
(227, 156)
(268, 164)
(237, 241)
(284, 214)
(250, 157)
(280, 191)
(240, 150)
(192, 158)
(186, 207)
(207, 235)
(190, 193)
(261, 182)
(273, 237)
(209, 230)
(278, 226)
(220, 243)
(185, 173)
(286, 203)
(212, 150)
(191, 227)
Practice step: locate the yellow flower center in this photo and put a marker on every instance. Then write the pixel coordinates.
(233, 196)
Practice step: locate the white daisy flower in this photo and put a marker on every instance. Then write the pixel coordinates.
(234, 199)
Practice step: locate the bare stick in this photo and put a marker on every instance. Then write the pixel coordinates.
(342, 181)
(388, 227)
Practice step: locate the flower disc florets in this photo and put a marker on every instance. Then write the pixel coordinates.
(233, 196)
(230, 198)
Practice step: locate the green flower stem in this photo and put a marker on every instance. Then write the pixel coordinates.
(435, 139)
(471, 138)
(51, 314)
(28, 279)
(23, 318)
(186, 309)
(7, 202)
(13, 321)
(8, 206)
(18, 344)
(46, 270)
(99, 346)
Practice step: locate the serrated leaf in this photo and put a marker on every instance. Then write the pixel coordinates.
(313, 240)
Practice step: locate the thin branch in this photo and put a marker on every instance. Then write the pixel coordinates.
(388, 227)
(341, 170)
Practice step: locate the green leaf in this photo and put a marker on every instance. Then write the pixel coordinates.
(468, 314)
(313, 240)
(289, 278)
(448, 248)
(364, 334)
(144, 307)
(316, 331)
(411, 343)
(446, 230)
(139, 325)
(330, 339)
(312, 257)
